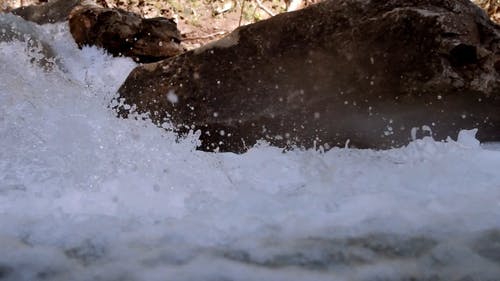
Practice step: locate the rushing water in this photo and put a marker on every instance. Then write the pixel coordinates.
(87, 196)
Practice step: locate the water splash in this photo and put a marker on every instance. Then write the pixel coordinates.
(87, 196)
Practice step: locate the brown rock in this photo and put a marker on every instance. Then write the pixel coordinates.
(125, 33)
(365, 71)
(50, 12)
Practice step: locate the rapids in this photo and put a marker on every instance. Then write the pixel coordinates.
(87, 196)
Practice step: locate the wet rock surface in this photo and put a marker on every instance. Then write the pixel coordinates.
(368, 257)
(5, 271)
(381, 256)
(15, 28)
(488, 246)
(86, 254)
(50, 12)
(367, 73)
(324, 254)
(124, 33)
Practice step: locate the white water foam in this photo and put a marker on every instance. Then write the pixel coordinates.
(87, 196)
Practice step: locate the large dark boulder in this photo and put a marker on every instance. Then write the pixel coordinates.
(365, 71)
(125, 33)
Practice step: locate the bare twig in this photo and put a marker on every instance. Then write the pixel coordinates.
(205, 36)
(241, 12)
(264, 8)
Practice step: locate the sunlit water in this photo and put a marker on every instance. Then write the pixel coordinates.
(87, 196)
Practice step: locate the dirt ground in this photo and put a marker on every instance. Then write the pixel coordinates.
(200, 21)
(492, 7)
